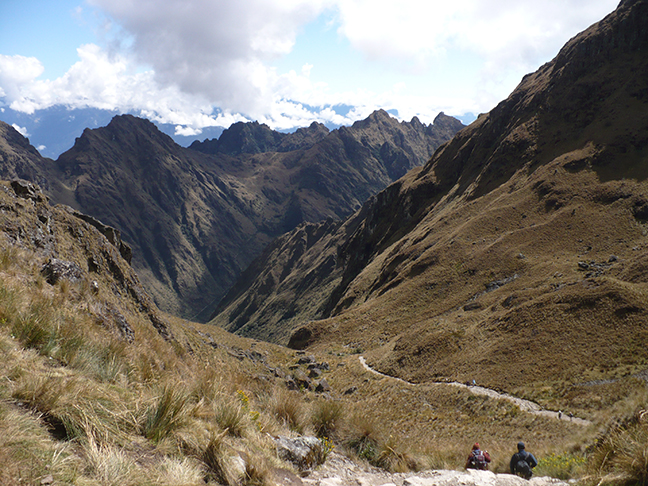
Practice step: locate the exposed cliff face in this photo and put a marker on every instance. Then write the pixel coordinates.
(196, 218)
(19, 159)
(525, 232)
(68, 245)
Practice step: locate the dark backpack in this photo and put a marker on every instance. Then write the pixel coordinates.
(478, 460)
(522, 467)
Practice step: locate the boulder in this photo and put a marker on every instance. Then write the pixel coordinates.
(323, 386)
(55, 270)
(302, 380)
(304, 452)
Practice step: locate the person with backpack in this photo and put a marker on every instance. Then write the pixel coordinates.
(523, 462)
(478, 459)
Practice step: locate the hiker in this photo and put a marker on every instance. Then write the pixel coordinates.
(478, 459)
(522, 462)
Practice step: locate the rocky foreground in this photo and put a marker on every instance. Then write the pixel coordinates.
(339, 471)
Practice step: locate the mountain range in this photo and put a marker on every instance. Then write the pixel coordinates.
(196, 217)
(518, 250)
(497, 292)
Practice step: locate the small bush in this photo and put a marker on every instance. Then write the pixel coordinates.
(561, 466)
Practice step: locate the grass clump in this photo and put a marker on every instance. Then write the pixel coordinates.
(233, 418)
(621, 456)
(363, 438)
(288, 407)
(327, 418)
(168, 414)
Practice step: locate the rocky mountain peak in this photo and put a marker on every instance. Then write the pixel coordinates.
(242, 138)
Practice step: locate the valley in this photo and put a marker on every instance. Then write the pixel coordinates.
(357, 306)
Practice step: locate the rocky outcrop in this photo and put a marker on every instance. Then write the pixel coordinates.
(305, 453)
(68, 248)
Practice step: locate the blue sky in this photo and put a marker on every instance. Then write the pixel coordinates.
(287, 63)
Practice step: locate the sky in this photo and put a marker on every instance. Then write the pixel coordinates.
(286, 63)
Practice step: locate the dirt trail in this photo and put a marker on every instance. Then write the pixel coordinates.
(525, 405)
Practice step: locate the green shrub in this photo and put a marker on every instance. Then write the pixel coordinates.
(561, 466)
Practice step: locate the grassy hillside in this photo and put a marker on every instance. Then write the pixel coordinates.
(98, 387)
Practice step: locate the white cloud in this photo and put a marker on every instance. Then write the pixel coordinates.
(508, 33)
(198, 63)
(21, 130)
(216, 49)
(16, 75)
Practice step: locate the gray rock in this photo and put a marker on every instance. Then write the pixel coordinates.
(304, 452)
(306, 360)
(291, 384)
(323, 386)
(302, 380)
(27, 190)
(55, 270)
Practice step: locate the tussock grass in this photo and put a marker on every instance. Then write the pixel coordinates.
(393, 457)
(232, 417)
(289, 409)
(363, 438)
(217, 458)
(621, 455)
(110, 465)
(180, 472)
(168, 414)
(327, 418)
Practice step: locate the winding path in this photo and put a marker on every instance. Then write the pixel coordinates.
(525, 405)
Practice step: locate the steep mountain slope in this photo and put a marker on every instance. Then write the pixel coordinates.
(100, 387)
(194, 219)
(19, 159)
(516, 256)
